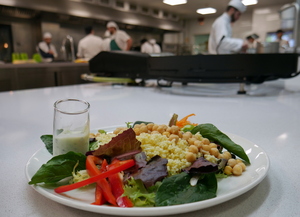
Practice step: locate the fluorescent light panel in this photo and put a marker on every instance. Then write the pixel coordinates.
(249, 2)
(206, 10)
(175, 2)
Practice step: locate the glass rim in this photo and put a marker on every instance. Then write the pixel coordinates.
(74, 100)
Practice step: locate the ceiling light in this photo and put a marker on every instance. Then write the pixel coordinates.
(249, 2)
(175, 2)
(206, 11)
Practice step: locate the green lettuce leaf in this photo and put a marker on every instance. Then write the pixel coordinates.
(138, 194)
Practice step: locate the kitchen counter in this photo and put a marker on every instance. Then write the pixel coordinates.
(269, 116)
(37, 75)
(41, 65)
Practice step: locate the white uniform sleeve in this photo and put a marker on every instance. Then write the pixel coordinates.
(230, 45)
(54, 51)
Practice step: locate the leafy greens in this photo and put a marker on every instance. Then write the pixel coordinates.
(58, 168)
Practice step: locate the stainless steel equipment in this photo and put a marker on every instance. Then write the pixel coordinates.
(235, 68)
(68, 48)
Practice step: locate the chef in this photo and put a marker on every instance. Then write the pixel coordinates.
(90, 45)
(283, 44)
(150, 47)
(46, 48)
(220, 39)
(120, 40)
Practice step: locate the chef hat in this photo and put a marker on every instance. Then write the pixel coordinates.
(47, 35)
(238, 5)
(112, 24)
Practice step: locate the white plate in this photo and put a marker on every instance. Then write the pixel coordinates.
(228, 188)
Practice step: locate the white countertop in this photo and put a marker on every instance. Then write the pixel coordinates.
(269, 116)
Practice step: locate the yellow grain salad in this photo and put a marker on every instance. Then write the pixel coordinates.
(175, 152)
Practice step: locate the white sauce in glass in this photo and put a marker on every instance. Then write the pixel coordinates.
(71, 141)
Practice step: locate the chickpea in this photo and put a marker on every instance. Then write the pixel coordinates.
(205, 141)
(137, 131)
(198, 144)
(160, 129)
(213, 145)
(221, 156)
(173, 136)
(174, 129)
(150, 126)
(165, 127)
(180, 134)
(187, 135)
(137, 126)
(190, 157)
(191, 141)
(144, 129)
(193, 149)
(242, 165)
(214, 151)
(231, 162)
(237, 170)
(154, 128)
(119, 130)
(167, 134)
(155, 132)
(92, 135)
(227, 155)
(239, 161)
(228, 170)
(169, 129)
(205, 147)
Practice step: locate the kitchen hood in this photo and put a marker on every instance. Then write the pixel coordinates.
(92, 10)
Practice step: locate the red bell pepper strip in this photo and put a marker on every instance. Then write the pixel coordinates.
(116, 181)
(99, 197)
(93, 170)
(118, 190)
(122, 165)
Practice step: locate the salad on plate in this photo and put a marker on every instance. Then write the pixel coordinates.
(144, 164)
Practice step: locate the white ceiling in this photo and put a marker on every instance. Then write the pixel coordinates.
(189, 10)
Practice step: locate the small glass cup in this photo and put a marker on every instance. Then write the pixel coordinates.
(71, 126)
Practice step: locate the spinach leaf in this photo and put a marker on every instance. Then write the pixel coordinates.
(140, 122)
(58, 168)
(177, 189)
(48, 141)
(212, 133)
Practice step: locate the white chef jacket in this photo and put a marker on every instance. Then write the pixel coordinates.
(89, 46)
(121, 38)
(283, 45)
(105, 46)
(147, 47)
(45, 48)
(221, 28)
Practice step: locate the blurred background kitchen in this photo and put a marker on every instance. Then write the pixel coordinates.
(177, 29)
